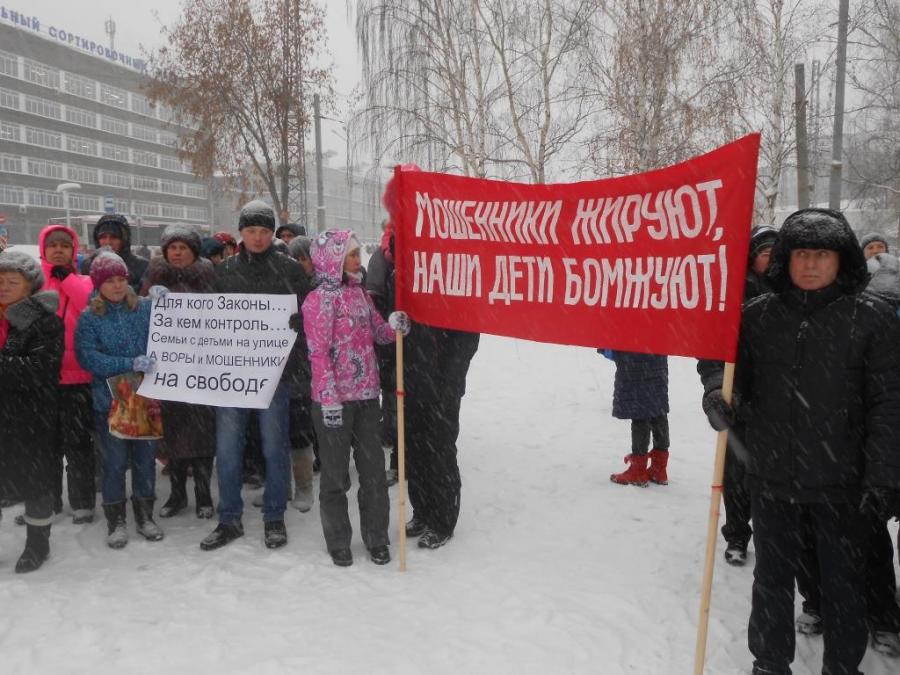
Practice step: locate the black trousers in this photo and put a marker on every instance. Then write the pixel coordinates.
(641, 431)
(882, 610)
(840, 533)
(736, 496)
(432, 427)
(76, 421)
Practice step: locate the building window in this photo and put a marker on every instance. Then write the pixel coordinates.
(43, 138)
(43, 107)
(167, 139)
(193, 213)
(144, 183)
(195, 190)
(140, 104)
(45, 198)
(116, 179)
(40, 74)
(113, 126)
(9, 132)
(9, 99)
(10, 194)
(114, 96)
(83, 146)
(82, 174)
(11, 163)
(145, 158)
(172, 211)
(143, 133)
(44, 168)
(84, 202)
(170, 187)
(116, 152)
(123, 206)
(9, 64)
(82, 118)
(170, 163)
(81, 86)
(146, 208)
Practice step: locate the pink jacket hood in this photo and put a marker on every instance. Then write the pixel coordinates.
(74, 293)
(328, 252)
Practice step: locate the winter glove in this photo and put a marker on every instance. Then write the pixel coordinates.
(60, 272)
(157, 292)
(143, 363)
(295, 321)
(882, 503)
(399, 321)
(333, 416)
(719, 413)
(607, 354)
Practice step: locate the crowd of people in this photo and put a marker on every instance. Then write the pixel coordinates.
(69, 322)
(812, 473)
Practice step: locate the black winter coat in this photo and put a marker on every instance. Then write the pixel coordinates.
(137, 266)
(270, 272)
(29, 381)
(437, 361)
(641, 389)
(818, 392)
(380, 286)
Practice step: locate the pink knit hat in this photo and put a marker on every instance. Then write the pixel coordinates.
(106, 266)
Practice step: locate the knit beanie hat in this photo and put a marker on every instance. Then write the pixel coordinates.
(24, 264)
(106, 266)
(293, 228)
(873, 236)
(226, 238)
(298, 246)
(58, 235)
(114, 224)
(182, 233)
(210, 246)
(257, 213)
(761, 238)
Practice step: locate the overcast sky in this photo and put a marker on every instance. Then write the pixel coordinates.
(138, 24)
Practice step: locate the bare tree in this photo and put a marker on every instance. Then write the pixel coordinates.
(241, 74)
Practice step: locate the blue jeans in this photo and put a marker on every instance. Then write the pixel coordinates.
(231, 427)
(117, 454)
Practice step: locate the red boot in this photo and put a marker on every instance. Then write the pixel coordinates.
(635, 474)
(657, 470)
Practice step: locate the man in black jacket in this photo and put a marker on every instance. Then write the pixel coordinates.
(112, 230)
(257, 268)
(817, 386)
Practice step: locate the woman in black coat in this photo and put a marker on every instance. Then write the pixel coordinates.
(31, 349)
(189, 430)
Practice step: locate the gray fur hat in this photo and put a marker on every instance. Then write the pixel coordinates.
(24, 264)
(874, 236)
(182, 233)
(300, 245)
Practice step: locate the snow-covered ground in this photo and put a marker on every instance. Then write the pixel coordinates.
(553, 569)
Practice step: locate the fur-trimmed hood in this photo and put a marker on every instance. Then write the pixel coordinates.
(24, 313)
(195, 278)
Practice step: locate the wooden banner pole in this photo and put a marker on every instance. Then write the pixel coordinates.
(401, 453)
(712, 529)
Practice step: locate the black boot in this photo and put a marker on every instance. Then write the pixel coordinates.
(143, 518)
(37, 549)
(202, 477)
(177, 500)
(116, 532)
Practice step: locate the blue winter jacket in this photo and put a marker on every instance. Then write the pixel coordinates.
(641, 389)
(107, 344)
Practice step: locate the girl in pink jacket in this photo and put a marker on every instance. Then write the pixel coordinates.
(58, 245)
(342, 326)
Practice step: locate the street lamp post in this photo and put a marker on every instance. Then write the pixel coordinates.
(64, 188)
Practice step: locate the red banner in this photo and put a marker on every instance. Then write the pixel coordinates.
(651, 263)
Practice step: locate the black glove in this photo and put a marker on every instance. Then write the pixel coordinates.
(719, 413)
(882, 503)
(295, 321)
(60, 272)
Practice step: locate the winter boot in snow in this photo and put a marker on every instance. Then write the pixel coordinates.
(177, 501)
(380, 555)
(37, 549)
(659, 459)
(202, 478)
(143, 518)
(736, 554)
(116, 532)
(83, 516)
(415, 527)
(275, 534)
(225, 533)
(431, 539)
(342, 557)
(883, 642)
(635, 474)
(302, 464)
(809, 623)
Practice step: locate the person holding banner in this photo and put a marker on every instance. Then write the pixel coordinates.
(817, 386)
(31, 351)
(257, 268)
(342, 326)
(111, 339)
(189, 430)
